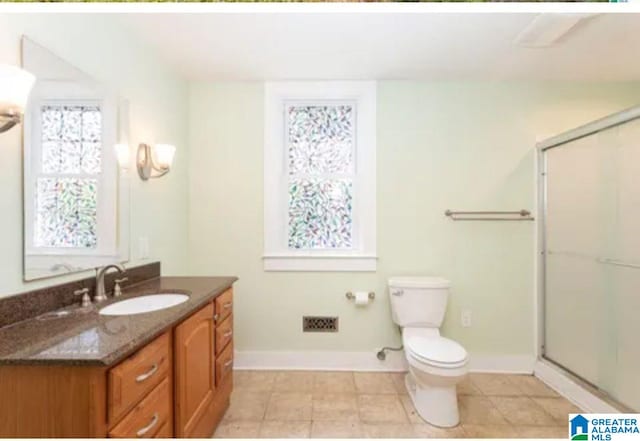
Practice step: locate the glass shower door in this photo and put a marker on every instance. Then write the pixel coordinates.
(623, 381)
(592, 259)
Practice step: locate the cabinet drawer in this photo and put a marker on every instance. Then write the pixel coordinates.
(137, 375)
(224, 364)
(147, 418)
(224, 305)
(224, 334)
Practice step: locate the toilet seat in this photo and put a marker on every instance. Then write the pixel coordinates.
(436, 351)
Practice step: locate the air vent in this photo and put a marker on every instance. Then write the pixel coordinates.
(319, 324)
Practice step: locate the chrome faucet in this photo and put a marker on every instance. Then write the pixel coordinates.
(101, 295)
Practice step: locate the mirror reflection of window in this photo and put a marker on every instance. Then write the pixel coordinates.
(67, 185)
(75, 197)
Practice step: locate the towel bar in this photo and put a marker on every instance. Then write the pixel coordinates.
(520, 215)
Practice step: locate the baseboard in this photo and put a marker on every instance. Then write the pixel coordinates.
(556, 379)
(367, 361)
(319, 361)
(502, 364)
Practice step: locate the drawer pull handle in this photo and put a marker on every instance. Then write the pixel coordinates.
(227, 305)
(142, 377)
(228, 363)
(151, 425)
(228, 334)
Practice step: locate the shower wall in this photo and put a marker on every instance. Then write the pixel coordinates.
(592, 259)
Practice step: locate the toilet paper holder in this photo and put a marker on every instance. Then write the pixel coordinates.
(351, 296)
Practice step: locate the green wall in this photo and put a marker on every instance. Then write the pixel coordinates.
(458, 145)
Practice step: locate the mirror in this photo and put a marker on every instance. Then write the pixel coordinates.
(76, 197)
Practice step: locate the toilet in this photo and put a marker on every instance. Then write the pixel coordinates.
(436, 363)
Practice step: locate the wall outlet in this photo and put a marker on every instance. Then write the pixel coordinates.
(465, 318)
(143, 247)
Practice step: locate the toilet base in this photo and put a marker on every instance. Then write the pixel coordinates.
(436, 405)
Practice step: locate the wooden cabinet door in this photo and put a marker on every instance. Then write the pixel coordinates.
(194, 369)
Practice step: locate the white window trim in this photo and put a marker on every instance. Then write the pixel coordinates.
(277, 256)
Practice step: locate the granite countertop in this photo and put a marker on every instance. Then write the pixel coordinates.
(85, 337)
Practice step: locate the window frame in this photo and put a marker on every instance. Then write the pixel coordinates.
(278, 97)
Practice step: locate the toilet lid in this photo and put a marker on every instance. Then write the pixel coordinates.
(437, 349)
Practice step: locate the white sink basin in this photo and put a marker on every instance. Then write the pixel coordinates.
(139, 305)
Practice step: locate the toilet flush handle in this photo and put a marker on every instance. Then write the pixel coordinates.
(398, 292)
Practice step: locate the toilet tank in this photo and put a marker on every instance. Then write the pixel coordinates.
(418, 301)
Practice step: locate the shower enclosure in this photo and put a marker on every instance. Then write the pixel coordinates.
(590, 254)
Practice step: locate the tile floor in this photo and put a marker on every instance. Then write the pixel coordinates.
(293, 404)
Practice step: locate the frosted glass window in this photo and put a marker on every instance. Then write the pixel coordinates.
(67, 187)
(320, 176)
(320, 154)
(66, 213)
(71, 139)
(320, 139)
(320, 213)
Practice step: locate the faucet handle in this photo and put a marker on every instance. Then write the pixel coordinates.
(117, 291)
(84, 292)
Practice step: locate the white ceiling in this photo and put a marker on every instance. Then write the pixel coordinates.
(434, 46)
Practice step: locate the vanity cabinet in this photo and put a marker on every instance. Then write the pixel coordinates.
(178, 385)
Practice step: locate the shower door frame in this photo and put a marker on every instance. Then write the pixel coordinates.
(542, 147)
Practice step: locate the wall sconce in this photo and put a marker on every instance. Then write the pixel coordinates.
(150, 167)
(15, 85)
(122, 154)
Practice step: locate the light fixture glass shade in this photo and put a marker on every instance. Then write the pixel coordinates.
(15, 85)
(122, 153)
(164, 154)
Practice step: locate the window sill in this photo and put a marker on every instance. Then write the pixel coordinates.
(335, 263)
